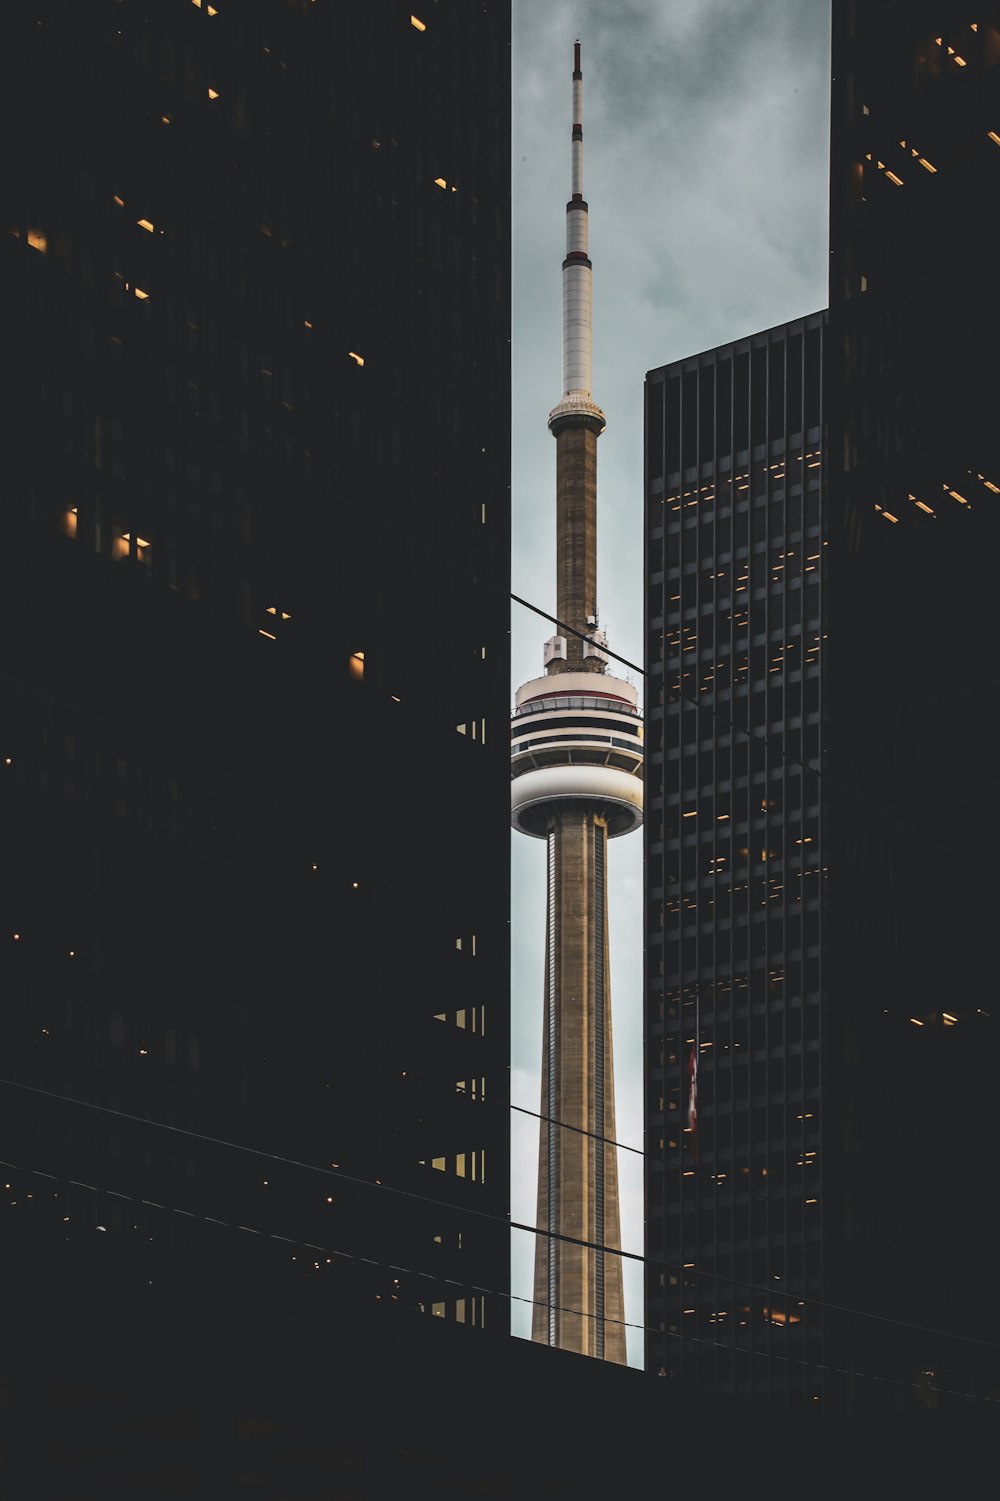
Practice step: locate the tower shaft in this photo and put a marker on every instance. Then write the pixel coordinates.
(578, 1288)
(576, 542)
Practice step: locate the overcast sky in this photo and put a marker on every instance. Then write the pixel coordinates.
(706, 127)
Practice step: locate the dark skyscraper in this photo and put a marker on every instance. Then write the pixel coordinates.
(914, 479)
(255, 549)
(820, 981)
(735, 866)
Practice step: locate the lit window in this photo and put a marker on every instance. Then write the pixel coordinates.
(417, 23)
(38, 240)
(142, 296)
(70, 519)
(213, 93)
(357, 358)
(356, 665)
(122, 547)
(145, 224)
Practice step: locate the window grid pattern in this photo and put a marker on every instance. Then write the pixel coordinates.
(736, 869)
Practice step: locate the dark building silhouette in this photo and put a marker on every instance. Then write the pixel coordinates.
(255, 551)
(822, 1235)
(914, 480)
(736, 877)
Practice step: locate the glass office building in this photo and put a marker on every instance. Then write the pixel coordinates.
(736, 878)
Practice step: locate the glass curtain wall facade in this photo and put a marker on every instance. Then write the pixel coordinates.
(914, 531)
(736, 877)
(255, 552)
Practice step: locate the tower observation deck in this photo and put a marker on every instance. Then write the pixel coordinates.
(576, 782)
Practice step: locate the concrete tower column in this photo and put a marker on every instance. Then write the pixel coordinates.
(578, 1289)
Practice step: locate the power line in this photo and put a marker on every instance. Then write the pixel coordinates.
(579, 1130)
(372, 517)
(773, 745)
(338, 1176)
(421, 543)
(439, 1280)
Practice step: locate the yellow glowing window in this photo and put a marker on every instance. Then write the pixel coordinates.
(38, 240)
(269, 634)
(417, 24)
(145, 224)
(213, 93)
(357, 358)
(120, 201)
(356, 665)
(994, 137)
(142, 296)
(439, 182)
(123, 547)
(69, 521)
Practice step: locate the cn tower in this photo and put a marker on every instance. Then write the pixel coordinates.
(576, 782)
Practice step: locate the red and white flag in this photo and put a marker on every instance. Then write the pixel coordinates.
(693, 1100)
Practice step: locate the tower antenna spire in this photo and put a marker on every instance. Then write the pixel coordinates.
(577, 272)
